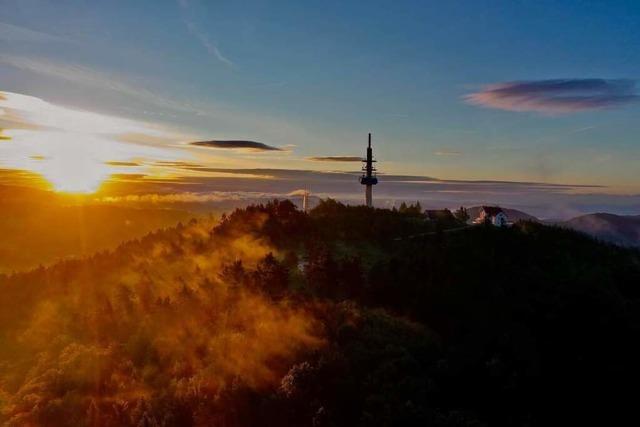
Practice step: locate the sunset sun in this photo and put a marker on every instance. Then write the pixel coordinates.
(75, 164)
(75, 151)
(83, 179)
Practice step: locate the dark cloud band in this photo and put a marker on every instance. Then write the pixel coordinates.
(125, 164)
(335, 158)
(236, 145)
(556, 96)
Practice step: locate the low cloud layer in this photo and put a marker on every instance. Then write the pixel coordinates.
(125, 164)
(237, 145)
(335, 158)
(556, 96)
(448, 153)
(233, 188)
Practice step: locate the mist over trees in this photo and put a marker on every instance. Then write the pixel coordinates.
(346, 316)
(36, 231)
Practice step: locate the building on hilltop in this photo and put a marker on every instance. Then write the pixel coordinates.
(494, 214)
(439, 215)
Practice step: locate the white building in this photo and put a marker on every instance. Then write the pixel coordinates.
(494, 214)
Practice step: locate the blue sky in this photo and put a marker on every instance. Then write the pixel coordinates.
(314, 77)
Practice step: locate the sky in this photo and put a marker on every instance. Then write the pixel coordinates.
(519, 91)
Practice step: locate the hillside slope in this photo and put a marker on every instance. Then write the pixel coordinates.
(273, 317)
(618, 229)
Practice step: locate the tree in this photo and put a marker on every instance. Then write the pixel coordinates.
(233, 274)
(461, 214)
(352, 277)
(321, 272)
(271, 276)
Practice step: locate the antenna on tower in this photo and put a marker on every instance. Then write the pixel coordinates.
(305, 200)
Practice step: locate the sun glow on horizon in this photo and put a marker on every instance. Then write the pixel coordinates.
(77, 151)
(76, 180)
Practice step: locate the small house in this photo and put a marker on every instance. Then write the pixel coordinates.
(494, 214)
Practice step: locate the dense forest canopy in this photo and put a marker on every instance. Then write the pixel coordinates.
(345, 316)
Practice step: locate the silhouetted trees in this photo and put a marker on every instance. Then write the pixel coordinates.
(347, 316)
(461, 214)
(271, 276)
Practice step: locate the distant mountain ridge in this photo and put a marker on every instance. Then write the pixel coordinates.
(623, 230)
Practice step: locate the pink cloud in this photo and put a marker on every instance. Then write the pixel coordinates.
(556, 96)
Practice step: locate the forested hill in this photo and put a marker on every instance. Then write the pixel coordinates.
(274, 317)
(623, 230)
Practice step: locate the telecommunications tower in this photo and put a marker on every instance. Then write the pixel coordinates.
(305, 201)
(368, 177)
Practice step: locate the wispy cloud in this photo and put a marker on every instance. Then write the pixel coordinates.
(121, 163)
(556, 96)
(583, 129)
(237, 145)
(208, 44)
(335, 158)
(448, 153)
(212, 112)
(202, 36)
(89, 77)
(187, 197)
(15, 33)
(172, 164)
